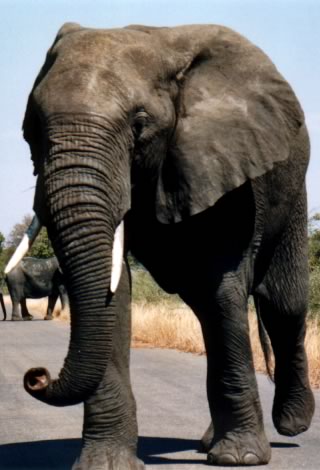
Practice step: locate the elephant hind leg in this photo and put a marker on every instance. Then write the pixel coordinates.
(282, 300)
(51, 304)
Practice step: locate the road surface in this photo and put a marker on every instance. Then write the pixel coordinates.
(172, 410)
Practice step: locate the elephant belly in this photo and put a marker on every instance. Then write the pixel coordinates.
(37, 290)
(196, 252)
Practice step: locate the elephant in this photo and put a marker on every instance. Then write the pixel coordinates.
(3, 306)
(33, 278)
(185, 146)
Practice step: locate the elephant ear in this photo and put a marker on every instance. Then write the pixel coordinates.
(32, 134)
(235, 120)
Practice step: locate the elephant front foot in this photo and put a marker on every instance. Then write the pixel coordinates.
(102, 458)
(292, 412)
(16, 318)
(240, 449)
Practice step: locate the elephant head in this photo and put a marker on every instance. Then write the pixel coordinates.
(168, 118)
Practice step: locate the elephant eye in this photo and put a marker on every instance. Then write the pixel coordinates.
(140, 121)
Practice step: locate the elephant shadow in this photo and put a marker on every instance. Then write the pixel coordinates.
(57, 454)
(150, 449)
(60, 454)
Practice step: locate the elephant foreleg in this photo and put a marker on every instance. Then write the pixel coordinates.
(15, 311)
(239, 437)
(24, 310)
(110, 427)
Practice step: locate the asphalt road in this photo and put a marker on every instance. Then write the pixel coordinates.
(172, 408)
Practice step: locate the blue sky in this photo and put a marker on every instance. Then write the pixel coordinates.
(287, 30)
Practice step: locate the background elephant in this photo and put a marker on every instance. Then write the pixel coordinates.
(3, 306)
(191, 140)
(34, 278)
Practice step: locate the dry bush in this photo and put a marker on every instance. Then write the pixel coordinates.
(166, 325)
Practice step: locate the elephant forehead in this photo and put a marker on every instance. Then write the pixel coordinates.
(115, 50)
(88, 65)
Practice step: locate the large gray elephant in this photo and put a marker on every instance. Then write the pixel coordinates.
(191, 140)
(34, 278)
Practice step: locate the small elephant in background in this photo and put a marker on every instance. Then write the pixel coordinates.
(3, 306)
(34, 278)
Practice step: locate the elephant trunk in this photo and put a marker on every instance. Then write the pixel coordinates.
(83, 217)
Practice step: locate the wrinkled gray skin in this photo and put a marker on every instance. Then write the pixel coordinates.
(35, 278)
(192, 137)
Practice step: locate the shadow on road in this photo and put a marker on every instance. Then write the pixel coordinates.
(61, 454)
(40, 455)
(283, 445)
(149, 449)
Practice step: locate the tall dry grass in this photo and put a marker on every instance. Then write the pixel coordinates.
(313, 351)
(166, 325)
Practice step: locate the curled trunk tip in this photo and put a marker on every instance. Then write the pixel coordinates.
(36, 381)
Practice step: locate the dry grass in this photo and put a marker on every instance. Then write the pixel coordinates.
(313, 351)
(174, 326)
(166, 325)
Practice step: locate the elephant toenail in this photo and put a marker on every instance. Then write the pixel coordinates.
(223, 459)
(250, 459)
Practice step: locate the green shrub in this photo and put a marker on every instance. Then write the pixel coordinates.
(314, 292)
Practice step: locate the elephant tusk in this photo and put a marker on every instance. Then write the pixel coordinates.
(25, 244)
(117, 256)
